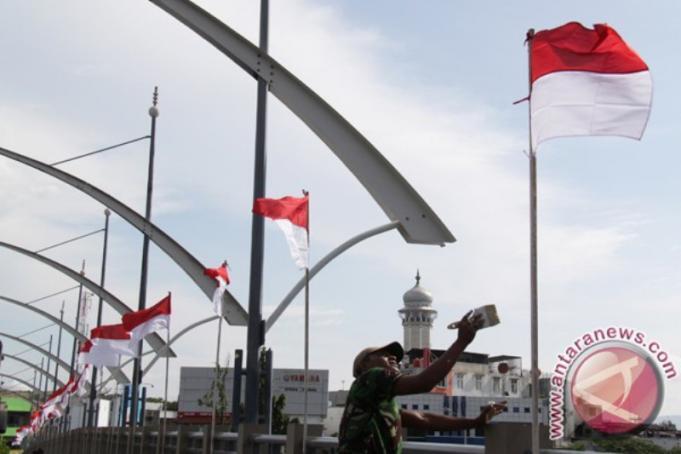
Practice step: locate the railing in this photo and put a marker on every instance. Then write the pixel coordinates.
(196, 439)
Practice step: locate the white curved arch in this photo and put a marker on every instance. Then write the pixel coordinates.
(156, 341)
(34, 366)
(392, 192)
(233, 312)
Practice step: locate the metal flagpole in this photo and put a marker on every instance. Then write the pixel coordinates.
(48, 368)
(215, 380)
(137, 368)
(75, 340)
(165, 390)
(93, 381)
(256, 329)
(534, 294)
(307, 350)
(56, 363)
(307, 333)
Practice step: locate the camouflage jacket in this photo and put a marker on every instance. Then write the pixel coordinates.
(371, 422)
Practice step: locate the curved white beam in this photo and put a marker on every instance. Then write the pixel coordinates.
(392, 192)
(39, 349)
(23, 382)
(158, 354)
(234, 313)
(274, 316)
(156, 341)
(36, 367)
(117, 374)
(46, 315)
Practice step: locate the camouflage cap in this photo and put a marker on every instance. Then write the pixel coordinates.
(394, 347)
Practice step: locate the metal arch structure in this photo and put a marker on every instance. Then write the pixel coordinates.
(172, 340)
(46, 315)
(31, 400)
(23, 382)
(418, 223)
(156, 341)
(39, 349)
(37, 368)
(117, 373)
(271, 320)
(235, 314)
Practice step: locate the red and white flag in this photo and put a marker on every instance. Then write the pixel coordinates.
(87, 354)
(221, 276)
(106, 344)
(149, 320)
(292, 216)
(587, 82)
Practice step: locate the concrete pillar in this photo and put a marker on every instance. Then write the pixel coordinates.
(294, 436)
(245, 444)
(514, 438)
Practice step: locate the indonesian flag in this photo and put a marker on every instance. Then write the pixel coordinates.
(587, 83)
(221, 276)
(291, 215)
(149, 320)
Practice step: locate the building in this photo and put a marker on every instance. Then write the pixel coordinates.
(18, 413)
(196, 382)
(475, 380)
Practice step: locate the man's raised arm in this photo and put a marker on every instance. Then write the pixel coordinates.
(428, 378)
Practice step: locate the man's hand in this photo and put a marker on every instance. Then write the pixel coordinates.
(468, 327)
(490, 411)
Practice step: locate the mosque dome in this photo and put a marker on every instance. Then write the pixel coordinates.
(417, 296)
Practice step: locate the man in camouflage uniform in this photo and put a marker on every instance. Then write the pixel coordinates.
(372, 421)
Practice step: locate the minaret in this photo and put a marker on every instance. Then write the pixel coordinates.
(417, 316)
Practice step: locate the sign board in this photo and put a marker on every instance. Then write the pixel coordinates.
(196, 382)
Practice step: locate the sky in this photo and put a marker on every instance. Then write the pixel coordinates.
(430, 86)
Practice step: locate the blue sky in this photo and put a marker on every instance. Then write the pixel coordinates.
(431, 87)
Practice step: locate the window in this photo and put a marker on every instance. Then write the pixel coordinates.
(426, 407)
(459, 381)
(404, 406)
(514, 385)
(496, 384)
(516, 410)
(527, 409)
(414, 407)
(478, 382)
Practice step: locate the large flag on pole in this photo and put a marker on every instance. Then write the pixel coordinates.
(221, 276)
(587, 82)
(291, 215)
(149, 320)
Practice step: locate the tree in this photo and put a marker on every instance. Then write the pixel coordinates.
(279, 419)
(219, 401)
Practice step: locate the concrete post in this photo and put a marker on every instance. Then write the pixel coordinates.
(245, 445)
(294, 436)
(514, 438)
(181, 440)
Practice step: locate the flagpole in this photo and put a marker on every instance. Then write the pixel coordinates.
(215, 381)
(137, 363)
(93, 380)
(307, 329)
(307, 350)
(534, 294)
(165, 390)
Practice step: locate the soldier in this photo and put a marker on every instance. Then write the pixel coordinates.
(372, 421)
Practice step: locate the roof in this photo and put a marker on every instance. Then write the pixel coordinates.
(494, 359)
(16, 403)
